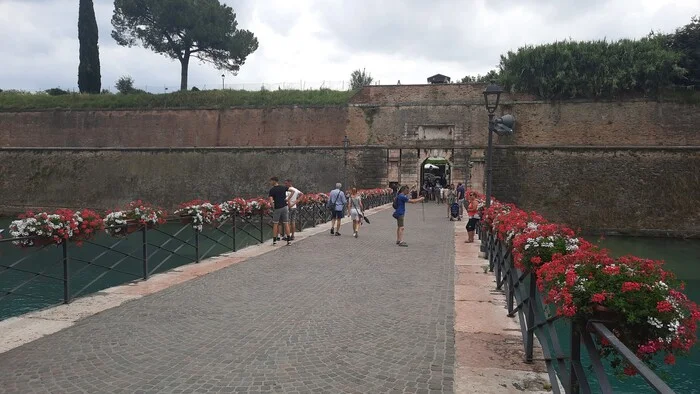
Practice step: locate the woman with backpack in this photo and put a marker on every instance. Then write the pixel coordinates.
(399, 206)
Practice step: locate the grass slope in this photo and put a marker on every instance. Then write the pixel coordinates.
(13, 100)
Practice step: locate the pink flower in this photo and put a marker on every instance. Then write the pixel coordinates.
(664, 306)
(598, 298)
(670, 359)
(631, 286)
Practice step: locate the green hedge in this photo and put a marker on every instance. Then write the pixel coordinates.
(591, 69)
(12, 100)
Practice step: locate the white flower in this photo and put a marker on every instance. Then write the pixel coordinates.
(655, 322)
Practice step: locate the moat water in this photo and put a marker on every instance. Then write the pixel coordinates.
(683, 258)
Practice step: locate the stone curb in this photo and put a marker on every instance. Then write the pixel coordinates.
(31, 326)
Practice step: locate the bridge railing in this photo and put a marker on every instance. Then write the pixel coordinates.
(47, 274)
(560, 340)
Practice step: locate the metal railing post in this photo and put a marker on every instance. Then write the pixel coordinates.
(196, 245)
(499, 258)
(574, 387)
(66, 275)
(144, 239)
(262, 239)
(233, 219)
(313, 213)
(530, 319)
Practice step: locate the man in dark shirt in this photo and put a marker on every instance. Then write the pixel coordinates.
(461, 193)
(278, 199)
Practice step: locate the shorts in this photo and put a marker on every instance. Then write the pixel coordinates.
(355, 214)
(399, 221)
(471, 224)
(280, 215)
(293, 213)
(337, 214)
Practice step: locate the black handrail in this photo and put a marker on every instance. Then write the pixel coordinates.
(561, 367)
(153, 256)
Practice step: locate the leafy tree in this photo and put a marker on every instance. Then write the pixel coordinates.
(591, 69)
(89, 79)
(182, 29)
(125, 85)
(360, 78)
(488, 77)
(686, 41)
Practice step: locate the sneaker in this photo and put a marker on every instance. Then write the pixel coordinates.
(402, 244)
(397, 242)
(274, 242)
(289, 241)
(332, 231)
(292, 239)
(355, 235)
(337, 234)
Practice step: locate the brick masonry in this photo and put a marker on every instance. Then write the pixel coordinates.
(392, 129)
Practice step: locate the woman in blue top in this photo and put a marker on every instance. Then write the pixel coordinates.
(401, 200)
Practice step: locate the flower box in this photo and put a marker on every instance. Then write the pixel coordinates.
(134, 216)
(60, 226)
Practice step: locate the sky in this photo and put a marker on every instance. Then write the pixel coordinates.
(312, 42)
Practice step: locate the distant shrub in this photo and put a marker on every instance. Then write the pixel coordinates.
(125, 85)
(57, 92)
(195, 89)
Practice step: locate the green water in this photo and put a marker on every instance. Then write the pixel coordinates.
(683, 258)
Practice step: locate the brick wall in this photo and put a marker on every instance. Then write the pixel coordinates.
(577, 162)
(110, 178)
(656, 191)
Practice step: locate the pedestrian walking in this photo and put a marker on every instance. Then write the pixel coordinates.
(400, 211)
(461, 196)
(293, 195)
(280, 214)
(357, 211)
(473, 214)
(452, 207)
(336, 202)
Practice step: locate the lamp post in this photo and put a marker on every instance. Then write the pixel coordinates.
(501, 126)
(223, 78)
(346, 145)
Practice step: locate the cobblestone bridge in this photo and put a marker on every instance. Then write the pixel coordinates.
(327, 314)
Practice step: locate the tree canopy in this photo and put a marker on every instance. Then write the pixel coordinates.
(686, 41)
(360, 78)
(591, 69)
(181, 29)
(89, 79)
(488, 77)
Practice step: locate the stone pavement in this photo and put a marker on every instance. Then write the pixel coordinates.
(327, 314)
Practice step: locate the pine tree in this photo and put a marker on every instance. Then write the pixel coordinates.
(89, 80)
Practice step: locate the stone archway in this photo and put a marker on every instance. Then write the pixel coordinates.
(445, 154)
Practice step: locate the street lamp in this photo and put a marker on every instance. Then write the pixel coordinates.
(501, 126)
(346, 145)
(223, 77)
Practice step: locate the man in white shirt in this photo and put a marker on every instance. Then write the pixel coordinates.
(293, 195)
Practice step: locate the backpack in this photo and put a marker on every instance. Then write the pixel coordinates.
(395, 204)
